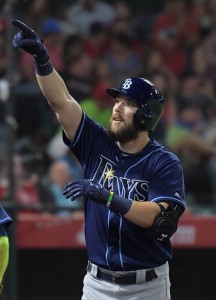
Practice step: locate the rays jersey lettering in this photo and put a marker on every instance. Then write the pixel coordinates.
(129, 188)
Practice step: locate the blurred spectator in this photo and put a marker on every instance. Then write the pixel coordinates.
(167, 86)
(53, 34)
(209, 47)
(199, 9)
(77, 74)
(123, 60)
(59, 174)
(153, 62)
(203, 69)
(97, 41)
(57, 150)
(185, 139)
(102, 73)
(73, 46)
(122, 10)
(99, 106)
(30, 193)
(175, 19)
(36, 11)
(33, 117)
(197, 61)
(85, 12)
(174, 56)
(191, 90)
(123, 23)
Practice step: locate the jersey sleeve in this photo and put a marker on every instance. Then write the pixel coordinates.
(88, 142)
(167, 184)
(5, 219)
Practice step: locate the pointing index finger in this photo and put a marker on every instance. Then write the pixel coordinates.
(26, 30)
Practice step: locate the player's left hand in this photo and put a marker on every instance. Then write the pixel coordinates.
(86, 187)
(98, 194)
(29, 41)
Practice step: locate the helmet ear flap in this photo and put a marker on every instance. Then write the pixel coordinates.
(141, 119)
(147, 117)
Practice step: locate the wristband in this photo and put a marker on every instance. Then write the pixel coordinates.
(110, 199)
(45, 69)
(120, 205)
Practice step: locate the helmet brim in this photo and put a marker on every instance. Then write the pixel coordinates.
(113, 92)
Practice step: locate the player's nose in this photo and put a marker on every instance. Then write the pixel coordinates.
(118, 106)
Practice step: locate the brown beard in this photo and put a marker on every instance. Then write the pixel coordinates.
(124, 135)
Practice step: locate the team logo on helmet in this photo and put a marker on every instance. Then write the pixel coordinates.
(127, 84)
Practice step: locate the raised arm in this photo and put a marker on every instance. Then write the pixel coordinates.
(66, 108)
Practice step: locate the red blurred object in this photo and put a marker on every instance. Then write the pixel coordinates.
(3, 25)
(50, 231)
(99, 93)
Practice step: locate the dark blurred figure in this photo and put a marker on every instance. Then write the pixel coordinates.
(97, 41)
(175, 32)
(85, 12)
(122, 58)
(192, 88)
(209, 46)
(30, 193)
(174, 56)
(73, 46)
(177, 17)
(124, 23)
(77, 74)
(58, 175)
(185, 138)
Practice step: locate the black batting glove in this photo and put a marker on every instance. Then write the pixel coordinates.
(98, 194)
(30, 42)
(87, 188)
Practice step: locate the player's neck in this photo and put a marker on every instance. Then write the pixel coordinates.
(135, 146)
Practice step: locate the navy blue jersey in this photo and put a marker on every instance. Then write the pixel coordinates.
(5, 220)
(154, 174)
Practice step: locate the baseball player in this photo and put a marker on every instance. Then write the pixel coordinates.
(5, 221)
(133, 186)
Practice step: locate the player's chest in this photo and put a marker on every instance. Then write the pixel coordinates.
(126, 176)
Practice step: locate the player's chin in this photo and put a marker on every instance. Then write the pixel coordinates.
(115, 125)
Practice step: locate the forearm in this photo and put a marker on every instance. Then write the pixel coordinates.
(139, 213)
(67, 110)
(143, 213)
(54, 89)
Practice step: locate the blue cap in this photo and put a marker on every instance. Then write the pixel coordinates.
(50, 26)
